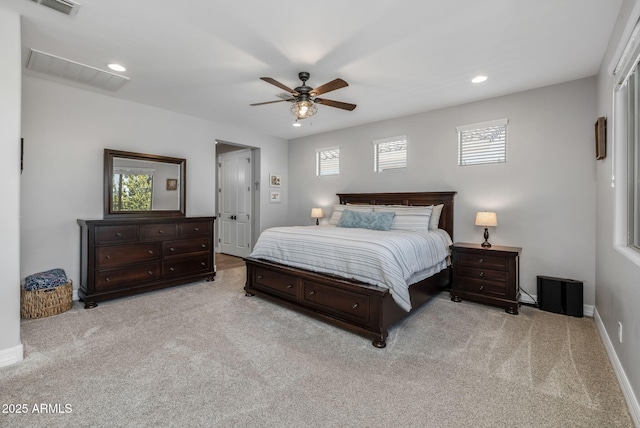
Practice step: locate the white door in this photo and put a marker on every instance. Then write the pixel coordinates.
(234, 222)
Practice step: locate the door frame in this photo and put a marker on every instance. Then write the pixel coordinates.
(222, 146)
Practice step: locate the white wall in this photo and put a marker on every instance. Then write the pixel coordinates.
(65, 131)
(617, 275)
(544, 194)
(10, 346)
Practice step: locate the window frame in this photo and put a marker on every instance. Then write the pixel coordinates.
(319, 163)
(379, 144)
(475, 151)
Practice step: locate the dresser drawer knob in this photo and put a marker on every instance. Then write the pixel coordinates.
(355, 306)
(311, 293)
(172, 249)
(150, 272)
(481, 287)
(203, 264)
(197, 229)
(260, 277)
(204, 245)
(150, 251)
(108, 257)
(481, 274)
(481, 261)
(107, 279)
(172, 269)
(161, 232)
(118, 234)
(289, 286)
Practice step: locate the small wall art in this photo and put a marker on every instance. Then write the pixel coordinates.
(274, 180)
(275, 197)
(601, 137)
(172, 184)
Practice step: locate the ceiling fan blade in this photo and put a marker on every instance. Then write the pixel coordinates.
(269, 102)
(328, 87)
(337, 104)
(279, 85)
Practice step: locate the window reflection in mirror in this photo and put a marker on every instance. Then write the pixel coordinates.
(138, 186)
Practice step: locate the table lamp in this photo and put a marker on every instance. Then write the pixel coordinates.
(317, 214)
(486, 219)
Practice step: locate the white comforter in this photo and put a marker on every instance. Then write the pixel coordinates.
(391, 259)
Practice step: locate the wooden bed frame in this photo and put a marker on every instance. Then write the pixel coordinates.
(361, 308)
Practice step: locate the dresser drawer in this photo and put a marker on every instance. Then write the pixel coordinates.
(482, 261)
(343, 304)
(126, 254)
(186, 265)
(483, 274)
(196, 229)
(482, 287)
(128, 276)
(276, 282)
(152, 232)
(175, 248)
(117, 234)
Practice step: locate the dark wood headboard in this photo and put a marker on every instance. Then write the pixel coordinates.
(407, 198)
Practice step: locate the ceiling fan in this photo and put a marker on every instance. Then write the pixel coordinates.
(305, 97)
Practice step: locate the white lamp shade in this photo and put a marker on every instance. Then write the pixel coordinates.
(485, 218)
(317, 213)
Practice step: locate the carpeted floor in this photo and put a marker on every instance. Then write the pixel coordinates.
(205, 355)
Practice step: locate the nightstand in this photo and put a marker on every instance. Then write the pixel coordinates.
(486, 275)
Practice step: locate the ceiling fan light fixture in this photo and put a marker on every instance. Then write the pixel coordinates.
(303, 109)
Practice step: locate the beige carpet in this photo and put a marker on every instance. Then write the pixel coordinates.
(206, 355)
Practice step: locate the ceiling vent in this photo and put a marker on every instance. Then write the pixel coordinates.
(65, 6)
(70, 70)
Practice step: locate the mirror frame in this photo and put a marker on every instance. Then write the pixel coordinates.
(110, 154)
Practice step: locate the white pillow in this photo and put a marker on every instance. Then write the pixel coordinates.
(407, 217)
(434, 222)
(339, 208)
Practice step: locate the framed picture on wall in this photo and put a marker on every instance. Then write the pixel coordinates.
(274, 180)
(172, 184)
(601, 138)
(275, 197)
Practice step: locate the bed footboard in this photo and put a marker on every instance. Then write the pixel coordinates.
(360, 308)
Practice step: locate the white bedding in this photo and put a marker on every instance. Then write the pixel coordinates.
(391, 259)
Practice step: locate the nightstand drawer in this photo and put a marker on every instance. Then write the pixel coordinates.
(483, 274)
(482, 261)
(482, 287)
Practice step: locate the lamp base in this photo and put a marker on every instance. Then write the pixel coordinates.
(486, 243)
(317, 221)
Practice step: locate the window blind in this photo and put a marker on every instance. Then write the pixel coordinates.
(327, 161)
(482, 143)
(390, 153)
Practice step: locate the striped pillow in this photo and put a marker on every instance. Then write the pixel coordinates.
(408, 218)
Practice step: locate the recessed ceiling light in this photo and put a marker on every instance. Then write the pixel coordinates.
(297, 124)
(479, 79)
(116, 67)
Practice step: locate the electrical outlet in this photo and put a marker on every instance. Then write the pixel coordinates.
(619, 331)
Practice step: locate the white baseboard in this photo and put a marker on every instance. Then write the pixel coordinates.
(75, 295)
(627, 391)
(11, 355)
(587, 310)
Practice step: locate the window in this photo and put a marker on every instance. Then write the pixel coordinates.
(327, 161)
(132, 189)
(482, 143)
(633, 166)
(627, 93)
(390, 153)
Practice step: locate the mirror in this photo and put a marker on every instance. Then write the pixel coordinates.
(141, 185)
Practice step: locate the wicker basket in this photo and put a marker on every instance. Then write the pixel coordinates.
(44, 303)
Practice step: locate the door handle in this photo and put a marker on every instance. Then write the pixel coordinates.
(233, 217)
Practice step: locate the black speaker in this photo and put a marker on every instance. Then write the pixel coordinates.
(560, 295)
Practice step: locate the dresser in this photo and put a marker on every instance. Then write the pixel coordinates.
(486, 275)
(128, 256)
